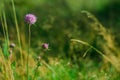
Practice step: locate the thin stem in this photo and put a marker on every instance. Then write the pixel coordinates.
(35, 72)
(29, 35)
(87, 44)
(5, 28)
(50, 68)
(17, 29)
(10, 69)
(86, 52)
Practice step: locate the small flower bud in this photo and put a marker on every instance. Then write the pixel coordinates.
(12, 45)
(45, 46)
(39, 58)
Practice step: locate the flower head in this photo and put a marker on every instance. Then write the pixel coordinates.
(12, 45)
(45, 46)
(30, 19)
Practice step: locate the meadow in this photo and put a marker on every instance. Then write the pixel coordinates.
(59, 40)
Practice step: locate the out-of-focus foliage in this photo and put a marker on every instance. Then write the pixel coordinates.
(94, 22)
(61, 20)
(77, 5)
(1, 7)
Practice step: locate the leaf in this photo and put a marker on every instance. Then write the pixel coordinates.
(5, 50)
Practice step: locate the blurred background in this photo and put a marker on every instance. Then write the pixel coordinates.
(58, 21)
(96, 22)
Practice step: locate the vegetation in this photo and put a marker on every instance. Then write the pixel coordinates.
(59, 40)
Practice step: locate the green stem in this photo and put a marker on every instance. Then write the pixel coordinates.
(87, 44)
(17, 29)
(86, 52)
(35, 72)
(53, 71)
(5, 28)
(29, 35)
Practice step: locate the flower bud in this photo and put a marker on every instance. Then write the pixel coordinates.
(45, 46)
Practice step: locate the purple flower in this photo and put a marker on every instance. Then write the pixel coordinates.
(30, 19)
(45, 46)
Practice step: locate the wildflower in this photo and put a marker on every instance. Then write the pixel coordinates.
(30, 19)
(45, 46)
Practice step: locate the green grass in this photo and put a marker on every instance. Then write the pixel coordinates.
(60, 69)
